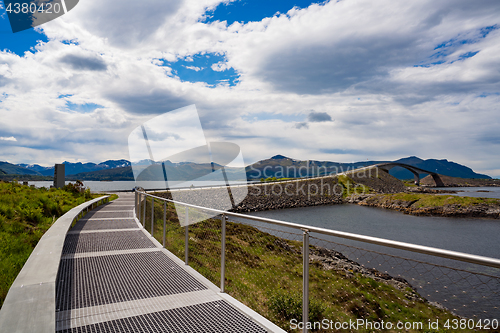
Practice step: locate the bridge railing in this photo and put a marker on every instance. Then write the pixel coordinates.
(30, 305)
(254, 258)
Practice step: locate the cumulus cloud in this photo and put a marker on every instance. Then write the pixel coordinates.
(10, 138)
(402, 78)
(220, 66)
(300, 125)
(194, 68)
(84, 63)
(125, 23)
(318, 117)
(346, 45)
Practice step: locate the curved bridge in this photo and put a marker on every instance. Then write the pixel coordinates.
(416, 171)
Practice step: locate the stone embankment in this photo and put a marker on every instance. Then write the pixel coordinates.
(377, 180)
(266, 196)
(416, 206)
(291, 194)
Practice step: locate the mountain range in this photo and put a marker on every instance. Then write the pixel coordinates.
(73, 168)
(277, 166)
(280, 166)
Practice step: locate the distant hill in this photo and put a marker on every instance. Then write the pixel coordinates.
(280, 166)
(116, 174)
(12, 169)
(177, 172)
(76, 168)
(45, 171)
(443, 167)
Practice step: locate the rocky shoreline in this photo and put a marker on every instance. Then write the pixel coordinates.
(334, 260)
(266, 196)
(460, 182)
(413, 207)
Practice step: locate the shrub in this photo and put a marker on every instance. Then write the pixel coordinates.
(288, 306)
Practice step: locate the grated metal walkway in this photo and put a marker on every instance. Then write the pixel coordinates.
(114, 278)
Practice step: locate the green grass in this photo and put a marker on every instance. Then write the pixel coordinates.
(264, 272)
(433, 200)
(25, 214)
(351, 187)
(409, 183)
(274, 179)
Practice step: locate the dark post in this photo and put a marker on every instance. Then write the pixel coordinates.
(59, 174)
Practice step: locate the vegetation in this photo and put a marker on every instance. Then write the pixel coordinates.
(264, 272)
(8, 178)
(433, 200)
(409, 183)
(25, 214)
(273, 179)
(351, 187)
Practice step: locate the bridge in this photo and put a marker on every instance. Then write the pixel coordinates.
(416, 171)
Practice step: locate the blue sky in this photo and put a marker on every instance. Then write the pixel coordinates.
(20, 42)
(245, 11)
(199, 68)
(336, 80)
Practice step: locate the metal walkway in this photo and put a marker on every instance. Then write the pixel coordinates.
(113, 277)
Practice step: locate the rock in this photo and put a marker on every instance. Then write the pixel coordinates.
(333, 260)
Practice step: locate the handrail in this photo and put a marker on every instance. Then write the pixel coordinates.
(30, 305)
(464, 257)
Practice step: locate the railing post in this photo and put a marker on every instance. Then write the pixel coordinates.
(144, 211)
(186, 240)
(164, 222)
(152, 215)
(223, 256)
(138, 211)
(305, 281)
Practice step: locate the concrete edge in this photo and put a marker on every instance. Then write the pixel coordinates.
(264, 322)
(30, 304)
(252, 314)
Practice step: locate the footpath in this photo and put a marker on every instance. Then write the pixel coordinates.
(114, 277)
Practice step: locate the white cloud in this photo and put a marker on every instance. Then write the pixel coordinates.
(351, 60)
(194, 68)
(220, 66)
(10, 138)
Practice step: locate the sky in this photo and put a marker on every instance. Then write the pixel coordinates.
(344, 81)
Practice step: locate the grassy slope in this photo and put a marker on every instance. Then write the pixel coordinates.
(267, 276)
(25, 214)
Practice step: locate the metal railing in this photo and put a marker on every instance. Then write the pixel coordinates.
(489, 282)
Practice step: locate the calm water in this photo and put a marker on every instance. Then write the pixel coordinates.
(492, 192)
(475, 236)
(469, 235)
